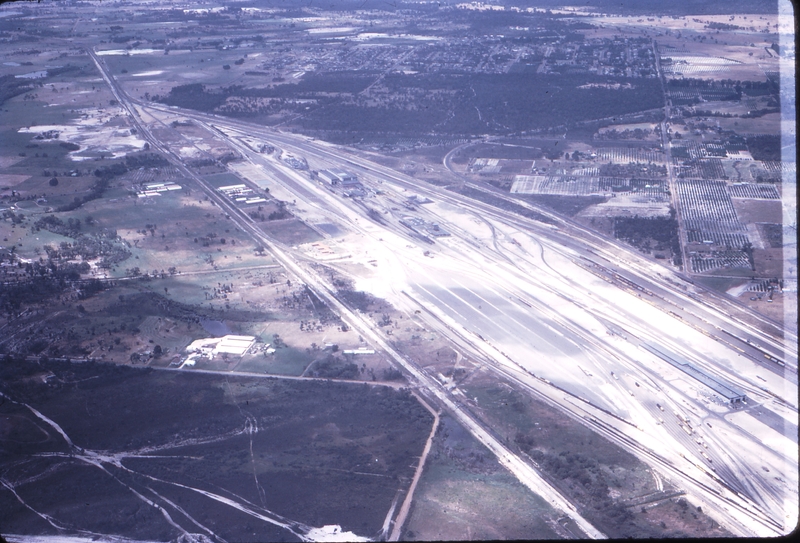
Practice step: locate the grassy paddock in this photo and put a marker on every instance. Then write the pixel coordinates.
(324, 453)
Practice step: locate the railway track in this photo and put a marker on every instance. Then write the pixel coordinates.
(551, 235)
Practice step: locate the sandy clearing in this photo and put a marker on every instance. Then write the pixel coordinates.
(772, 439)
(126, 52)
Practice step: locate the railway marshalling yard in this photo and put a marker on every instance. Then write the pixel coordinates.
(599, 386)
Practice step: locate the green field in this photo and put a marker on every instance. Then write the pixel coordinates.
(315, 453)
(464, 494)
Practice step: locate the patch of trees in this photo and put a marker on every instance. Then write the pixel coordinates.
(553, 153)
(392, 374)
(96, 191)
(71, 229)
(760, 112)
(69, 69)
(772, 233)
(131, 409)
(357, 299)
(635, 169)
(104, 244)
(325, 83)
(279, 214)
(230, 156)
(375, 215)
(586, 472)
(193, 96)
(16, 218)
(614, 134)
(320, 308)
(760, 88)
(202, 162)
(714, 25)
(639, 231)
(15, 373)
(255, 38)
(320, 86)
(766, 147)
(145, 160)
(593, 486)
(151, 303)
(636, 229)
(694, 83)
(453, 103)
(491, 21)
(334, 367)
(707, 113)
(208, 239)
(10, 87)
(107, 249)
(43, 281)
(107, 172)
(524, 101)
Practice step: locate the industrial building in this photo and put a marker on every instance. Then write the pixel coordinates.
(726, 390)
(338, 177)
(211, 347)
(155, 189)
(242, 193)
(423, 228)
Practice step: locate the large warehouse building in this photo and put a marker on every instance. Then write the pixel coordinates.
(726, 390)
(338, 177)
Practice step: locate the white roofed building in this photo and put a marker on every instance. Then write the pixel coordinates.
(338, 177)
